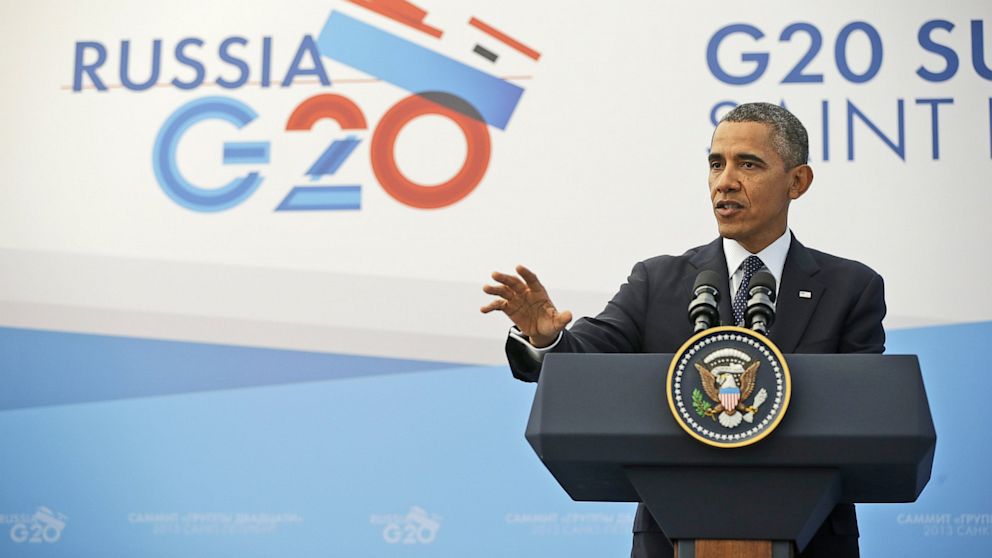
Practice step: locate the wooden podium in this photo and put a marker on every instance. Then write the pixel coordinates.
(716, 548)
(858, 429)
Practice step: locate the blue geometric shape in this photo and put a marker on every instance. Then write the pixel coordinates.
(330, 161)
(311, 198)
(952, 359)
(340, 455)
(41, 368)
(244, 152)
(416, 69)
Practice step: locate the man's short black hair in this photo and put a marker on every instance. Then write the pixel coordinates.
(788, 133)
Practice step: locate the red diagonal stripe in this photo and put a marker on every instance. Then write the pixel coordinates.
(504, 38)
(400, 11)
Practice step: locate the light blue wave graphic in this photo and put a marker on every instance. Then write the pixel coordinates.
(363, 462)
(40, 368)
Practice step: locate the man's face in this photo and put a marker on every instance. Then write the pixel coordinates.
(749, 185)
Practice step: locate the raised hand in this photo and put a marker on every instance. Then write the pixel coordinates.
(524, 300)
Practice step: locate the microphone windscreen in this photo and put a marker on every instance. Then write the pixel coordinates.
(706, 277)
(762, 279)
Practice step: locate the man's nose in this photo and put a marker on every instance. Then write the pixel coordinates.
(729, 181)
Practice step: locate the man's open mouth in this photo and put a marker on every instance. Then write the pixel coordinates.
(727, 208)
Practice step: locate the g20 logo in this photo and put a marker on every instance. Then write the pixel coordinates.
(416, 527)
(44, 526)
(349, 118)
(439, 85)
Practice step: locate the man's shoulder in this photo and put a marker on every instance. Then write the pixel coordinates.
(835, 266)
(690, 258)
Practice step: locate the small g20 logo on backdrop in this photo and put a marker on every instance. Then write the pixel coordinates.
(45, 526)
(416, 527)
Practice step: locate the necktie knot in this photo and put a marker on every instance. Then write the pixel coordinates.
(750, 266)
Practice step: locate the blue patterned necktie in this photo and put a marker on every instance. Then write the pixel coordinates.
(750, 266)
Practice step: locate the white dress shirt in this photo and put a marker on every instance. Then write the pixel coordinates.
(773, 256)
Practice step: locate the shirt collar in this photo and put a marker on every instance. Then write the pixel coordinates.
(773, 256)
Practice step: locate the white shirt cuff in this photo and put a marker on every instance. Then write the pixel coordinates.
(535, 352)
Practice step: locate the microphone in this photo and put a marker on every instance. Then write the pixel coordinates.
(760, 313)
(703, 309)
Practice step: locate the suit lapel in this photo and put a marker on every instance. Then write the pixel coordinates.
(711, 257)
(798, 294)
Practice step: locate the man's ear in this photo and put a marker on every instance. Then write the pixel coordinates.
(802, 177)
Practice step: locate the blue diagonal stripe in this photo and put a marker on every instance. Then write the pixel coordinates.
(415, 68)
(39, 368)
(330, 161)
(311, 198)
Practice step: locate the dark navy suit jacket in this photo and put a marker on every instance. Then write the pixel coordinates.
(843, 314)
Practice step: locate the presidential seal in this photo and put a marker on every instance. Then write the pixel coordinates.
(728, 386)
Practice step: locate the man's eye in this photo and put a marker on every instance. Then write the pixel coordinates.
(714, 164)
(748, 165)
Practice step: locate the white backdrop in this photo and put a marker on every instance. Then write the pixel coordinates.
(603, 164)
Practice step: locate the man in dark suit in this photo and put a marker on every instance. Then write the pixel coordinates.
(825, 304)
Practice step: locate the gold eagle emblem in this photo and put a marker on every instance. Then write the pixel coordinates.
(713, 383)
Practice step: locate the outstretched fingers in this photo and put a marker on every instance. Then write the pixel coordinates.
(498, 290)
(511, 281)
(497, 304)
(533, 283)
